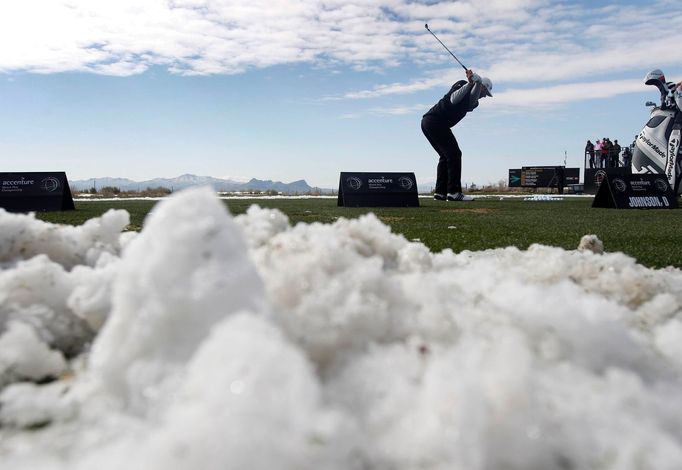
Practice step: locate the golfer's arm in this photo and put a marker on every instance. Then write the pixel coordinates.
(460, 94)
(475, 93)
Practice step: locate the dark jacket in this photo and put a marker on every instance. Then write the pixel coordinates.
(449, 113)
(615, 150)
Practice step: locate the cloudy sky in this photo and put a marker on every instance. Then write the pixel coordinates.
(296, 89)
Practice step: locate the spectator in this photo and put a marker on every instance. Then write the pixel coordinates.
(597, 149)
(589, 152)
(627, 158)
(615, 154)
(605, 148)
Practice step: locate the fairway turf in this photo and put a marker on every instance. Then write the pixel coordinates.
(653, 237)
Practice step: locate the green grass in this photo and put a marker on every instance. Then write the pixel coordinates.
(653, 237)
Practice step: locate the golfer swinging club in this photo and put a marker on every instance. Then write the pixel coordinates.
(436, 124)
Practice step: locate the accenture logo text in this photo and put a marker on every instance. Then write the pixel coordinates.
(380, 180)
(20, 182)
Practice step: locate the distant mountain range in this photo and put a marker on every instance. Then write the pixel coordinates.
(187, 181)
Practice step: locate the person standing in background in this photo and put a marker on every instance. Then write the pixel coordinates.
(597, 149)
(605, 148)
(627, 158)
(615, 154)
(589, 153)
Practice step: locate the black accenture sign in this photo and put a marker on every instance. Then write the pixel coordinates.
(33, 191)
(378, 190)
(639, 191)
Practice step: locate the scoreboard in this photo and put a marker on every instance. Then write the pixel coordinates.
(542, 176)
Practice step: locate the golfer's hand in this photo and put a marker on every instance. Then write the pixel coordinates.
(473, 77)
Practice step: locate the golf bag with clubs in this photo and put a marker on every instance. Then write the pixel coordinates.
(657, 147)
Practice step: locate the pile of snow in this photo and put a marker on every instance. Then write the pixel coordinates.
(207, 341)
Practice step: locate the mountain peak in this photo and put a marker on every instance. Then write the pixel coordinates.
(188, 180)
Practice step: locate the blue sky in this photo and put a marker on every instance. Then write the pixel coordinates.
(295, 89)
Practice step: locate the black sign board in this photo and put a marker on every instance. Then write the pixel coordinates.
(538, 176)
(594, 177)
(24, 192)
(627, 191)
(378, 190)
(548, 176)
(571, 176)
(515, 178)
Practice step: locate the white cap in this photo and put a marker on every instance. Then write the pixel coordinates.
(485, 81)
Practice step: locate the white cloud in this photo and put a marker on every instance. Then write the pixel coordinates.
(417, 109)
(546, 67)
(559, 94)
(196, 37)
(538, 97)
(405, 88)
(554, 51)
(519, 41)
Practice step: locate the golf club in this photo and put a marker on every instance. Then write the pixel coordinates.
(446, 47)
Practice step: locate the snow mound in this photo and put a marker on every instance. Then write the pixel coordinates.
(208, 341)
(23, 237)
(591, 243)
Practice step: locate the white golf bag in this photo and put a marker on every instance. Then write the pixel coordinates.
(657, 147)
